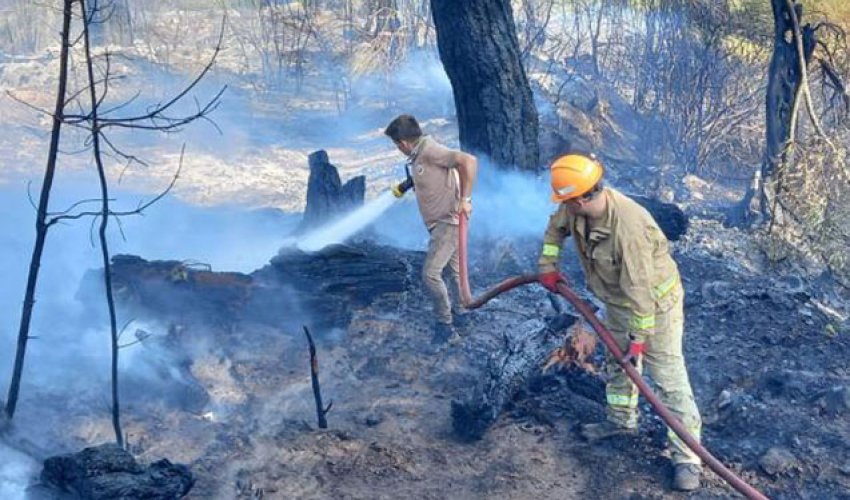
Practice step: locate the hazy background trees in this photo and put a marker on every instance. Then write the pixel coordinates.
(695, 72)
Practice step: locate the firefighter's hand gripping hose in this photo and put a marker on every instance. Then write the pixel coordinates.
(607, 338)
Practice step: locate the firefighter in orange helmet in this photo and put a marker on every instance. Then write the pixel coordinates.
(627, 265)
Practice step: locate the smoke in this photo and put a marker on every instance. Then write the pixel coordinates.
(506, 204)
(68, 355)
(347, 225)
(16, 469)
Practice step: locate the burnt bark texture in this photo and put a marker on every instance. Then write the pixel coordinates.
(321, 409)
(326, 195)
(326, 286)
(784, 80)
(496, 115)
(783, 84)
(109, 472)
(508, 372)
(41, 221)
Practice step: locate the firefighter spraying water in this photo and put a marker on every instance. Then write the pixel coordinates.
(443, 180)
(592, 214)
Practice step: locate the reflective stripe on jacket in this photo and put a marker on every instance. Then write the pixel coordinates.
(625, 256)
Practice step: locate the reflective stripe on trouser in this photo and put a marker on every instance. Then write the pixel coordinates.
(442, 252)
(666, 366)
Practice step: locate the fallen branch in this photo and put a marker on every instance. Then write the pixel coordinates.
(321, 410)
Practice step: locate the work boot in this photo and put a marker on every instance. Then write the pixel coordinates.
(442, 333)
(605, 430)
(686, 477)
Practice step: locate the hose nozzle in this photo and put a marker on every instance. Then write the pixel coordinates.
(404, 186)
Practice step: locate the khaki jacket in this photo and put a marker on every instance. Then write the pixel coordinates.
(436, 182)
(625, 256)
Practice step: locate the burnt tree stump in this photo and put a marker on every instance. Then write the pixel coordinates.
(784, 78)
(327, 196)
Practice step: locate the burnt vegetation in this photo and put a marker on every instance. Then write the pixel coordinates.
(727, 120)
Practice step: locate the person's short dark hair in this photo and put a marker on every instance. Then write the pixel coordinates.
(403, 128)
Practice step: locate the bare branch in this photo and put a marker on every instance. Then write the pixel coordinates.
(76, 94)
(124, 104)
(123, 328)
(25, 103)
(837, 84)
(159, 110)
(141, 336)
(804, 74)
(137, 211)
(130, 159)
(321, 410)
(29, 196)
(120, 223)
(162, 123)
(75, 205)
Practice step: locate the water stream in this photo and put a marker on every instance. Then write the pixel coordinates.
(341, 229)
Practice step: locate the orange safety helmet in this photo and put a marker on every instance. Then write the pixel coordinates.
(574, 175)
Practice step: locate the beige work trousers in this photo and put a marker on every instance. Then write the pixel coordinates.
(666, 366)
(442, 252)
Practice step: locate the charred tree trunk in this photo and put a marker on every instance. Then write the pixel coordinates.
(41, 223)
(783, 92)
(495, 108)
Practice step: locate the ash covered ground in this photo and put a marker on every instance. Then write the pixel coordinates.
(221, 380)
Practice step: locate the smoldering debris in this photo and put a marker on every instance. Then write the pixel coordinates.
(295, 288)
(107, 472)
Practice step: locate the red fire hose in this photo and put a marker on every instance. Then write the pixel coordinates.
(608, 339)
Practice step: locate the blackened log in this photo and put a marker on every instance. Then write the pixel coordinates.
(324, 287)
(508, 372)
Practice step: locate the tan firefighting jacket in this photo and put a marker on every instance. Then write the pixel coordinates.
(625, 256)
